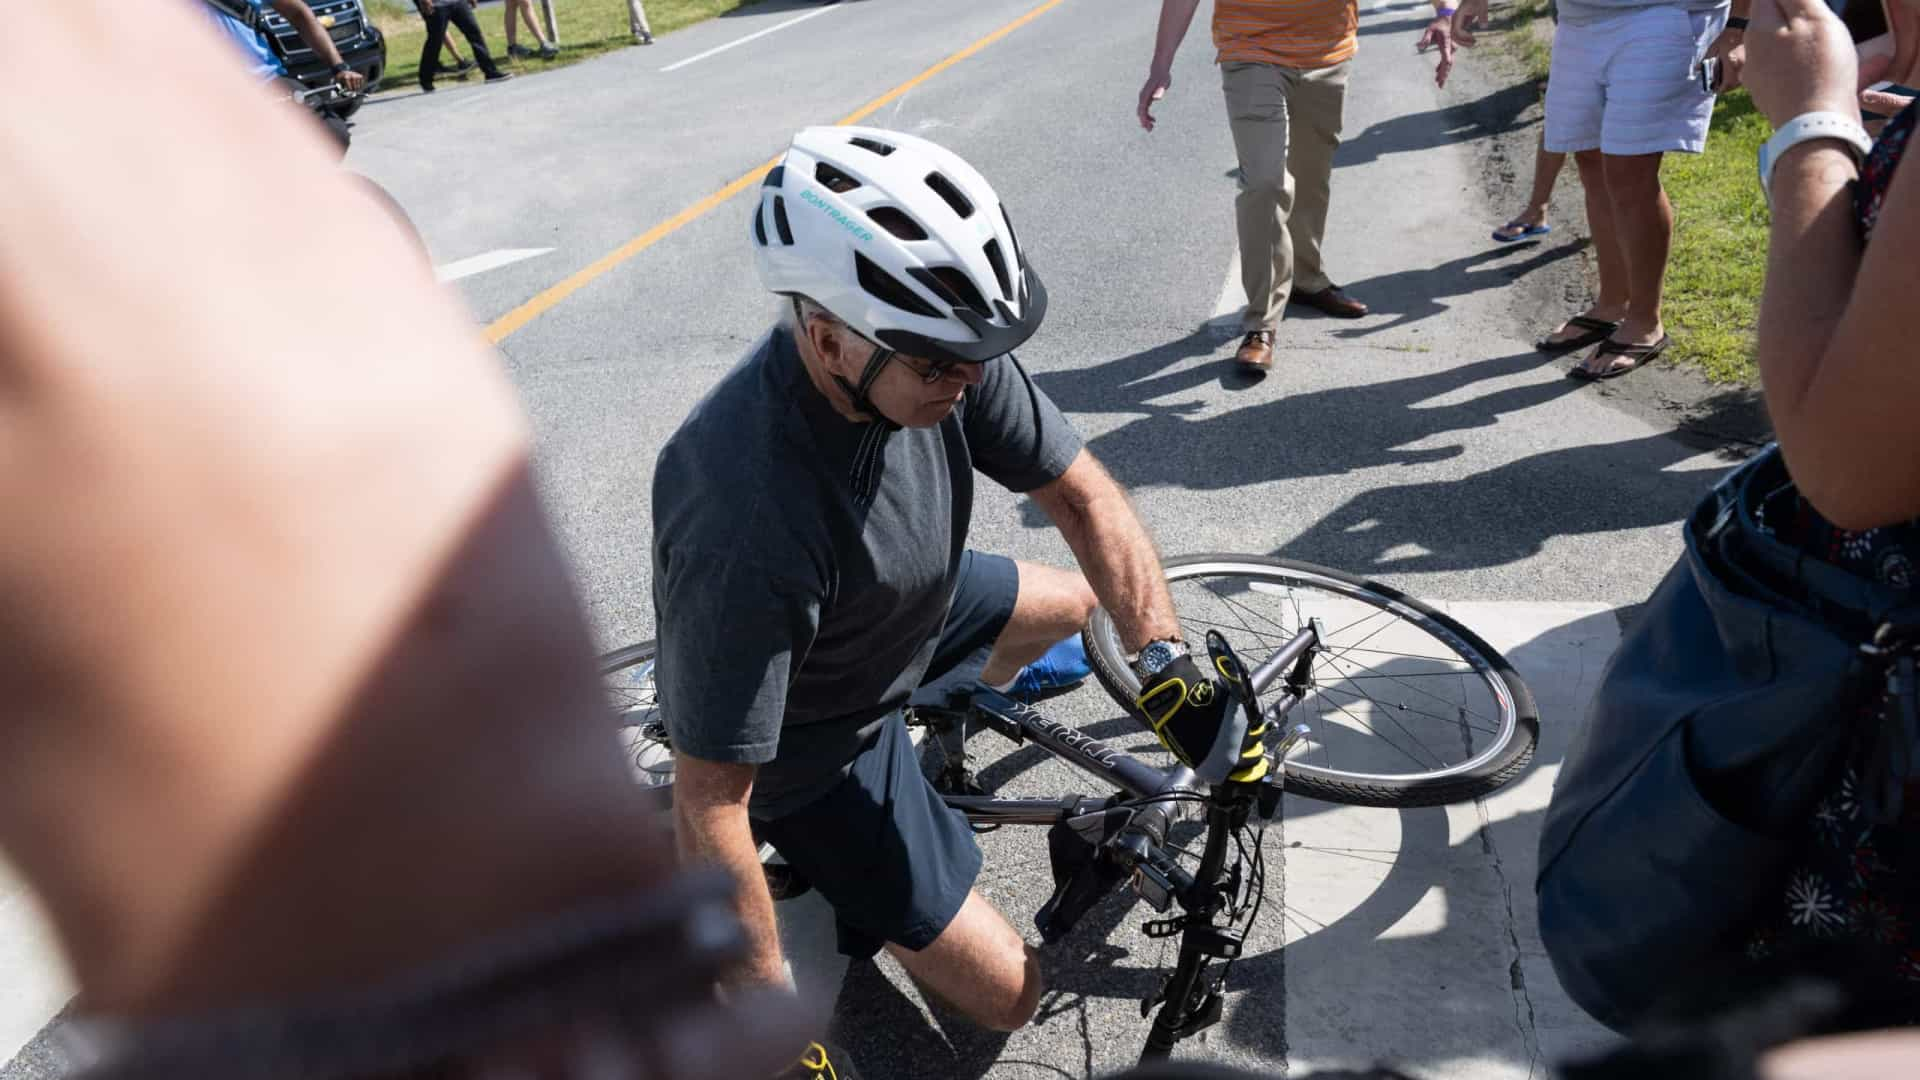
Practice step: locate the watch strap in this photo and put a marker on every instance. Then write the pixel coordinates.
(1805, 128)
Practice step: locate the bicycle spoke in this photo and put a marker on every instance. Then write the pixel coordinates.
(1390, 742)
(1410, 656)
(1416, 689)
(1447, 721)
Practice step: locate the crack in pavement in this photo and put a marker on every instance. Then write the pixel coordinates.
(1523, 1009)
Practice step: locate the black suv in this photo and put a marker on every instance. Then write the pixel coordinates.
(362, 47)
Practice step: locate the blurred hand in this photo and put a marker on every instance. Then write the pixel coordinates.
(350, 80)
(1469, 17)
(1731, 50)
(1156, 88)
(1800, 59)
(1439, 35)
(1873, 68)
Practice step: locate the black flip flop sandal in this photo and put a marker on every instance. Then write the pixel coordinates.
(1597, 331)
(1641, 355)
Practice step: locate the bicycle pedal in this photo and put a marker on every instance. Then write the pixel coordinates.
(1164, 928)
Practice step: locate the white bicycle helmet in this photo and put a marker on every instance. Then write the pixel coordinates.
(899, 239)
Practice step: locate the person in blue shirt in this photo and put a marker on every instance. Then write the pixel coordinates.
(245, 22)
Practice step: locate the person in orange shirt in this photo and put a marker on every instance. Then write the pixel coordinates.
(1283, 65)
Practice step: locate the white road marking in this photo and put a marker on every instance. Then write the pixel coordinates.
(35, 985)
(480, 264)
(715, 51)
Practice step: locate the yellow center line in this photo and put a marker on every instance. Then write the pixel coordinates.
(506, 325)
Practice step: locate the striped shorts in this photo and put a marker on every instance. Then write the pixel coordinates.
(1629, 83)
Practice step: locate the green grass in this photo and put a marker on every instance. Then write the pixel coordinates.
(1719, 256)
(587, 28)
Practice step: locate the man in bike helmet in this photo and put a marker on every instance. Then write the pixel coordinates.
(812, 573)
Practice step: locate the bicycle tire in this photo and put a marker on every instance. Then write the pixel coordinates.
(626, 675)
(1485, 770)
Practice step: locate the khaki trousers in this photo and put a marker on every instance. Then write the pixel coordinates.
(1286, 125)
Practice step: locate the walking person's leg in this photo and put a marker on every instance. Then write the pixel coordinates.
(1316, 104)
(637, 22)
(430, 50)
(1546, 174)
(1257, 115)
(461, 14)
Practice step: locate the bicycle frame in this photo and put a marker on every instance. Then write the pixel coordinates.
(1156, 877)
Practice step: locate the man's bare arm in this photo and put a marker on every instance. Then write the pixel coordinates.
(710, 826)
(1113, 548)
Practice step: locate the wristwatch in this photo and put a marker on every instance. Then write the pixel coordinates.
(1735, 22)
(338, 70)
(1806, 127)
(1156, 655)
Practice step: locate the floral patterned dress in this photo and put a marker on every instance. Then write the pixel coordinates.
(1855, 880)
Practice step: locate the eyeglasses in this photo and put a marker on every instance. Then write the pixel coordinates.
(930, 371)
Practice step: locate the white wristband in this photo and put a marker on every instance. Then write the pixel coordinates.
(1806, 127)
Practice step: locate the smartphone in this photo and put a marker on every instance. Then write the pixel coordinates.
(1709, 73)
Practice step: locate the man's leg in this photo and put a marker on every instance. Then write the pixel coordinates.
(1643, 226)
(979, 966)
(1052, 603)
(430, 51)
(1316, 101)
(1257, 115)
(462, 15)
(1615, 281)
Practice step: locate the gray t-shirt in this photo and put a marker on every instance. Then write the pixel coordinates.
(803, 564)
(1576, 12)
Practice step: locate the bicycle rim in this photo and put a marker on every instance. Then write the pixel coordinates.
(1407, 706)
(627, 675)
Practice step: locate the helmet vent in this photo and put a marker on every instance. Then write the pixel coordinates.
(952, 285)
(896, 221)
(835, 180)
(1011, 235)
(888, 289)
(760, 224)
(780, 221)
(999, 262)
(944, 188)
(874, 145)
(776, 177)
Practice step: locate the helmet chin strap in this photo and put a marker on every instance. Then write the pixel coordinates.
(857, 395)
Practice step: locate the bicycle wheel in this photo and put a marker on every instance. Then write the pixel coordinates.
(628, 676)
(1407, 707)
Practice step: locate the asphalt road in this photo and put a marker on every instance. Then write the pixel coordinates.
(1426, 445)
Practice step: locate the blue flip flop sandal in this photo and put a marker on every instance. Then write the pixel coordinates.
(1527, 232)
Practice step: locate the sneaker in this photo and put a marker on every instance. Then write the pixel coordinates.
(500, 76)
(548, 52)
(822, 1061)
(1062, 667)
(646, 39)
(519, 52)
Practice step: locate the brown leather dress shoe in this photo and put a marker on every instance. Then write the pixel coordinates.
(1256, 351)
(1331, 300)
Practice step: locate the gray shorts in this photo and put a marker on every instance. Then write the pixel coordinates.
(882, 846)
